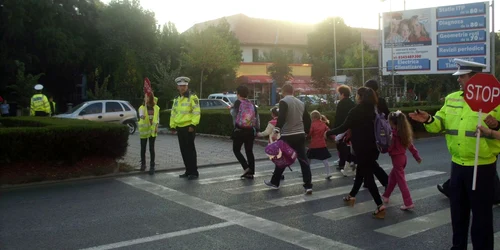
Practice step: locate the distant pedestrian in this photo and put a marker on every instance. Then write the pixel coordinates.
(184, 118)
(317, 148)
(149, 114)
(402, 137)
(246, 127)
(4, 108)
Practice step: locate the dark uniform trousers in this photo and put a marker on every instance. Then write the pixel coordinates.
(463, 199)
(188, 149)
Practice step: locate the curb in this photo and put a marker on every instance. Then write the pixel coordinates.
(134, 172)
(9, 187)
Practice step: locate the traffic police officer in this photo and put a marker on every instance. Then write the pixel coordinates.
(458, 122)
(39, 103)
(184, 118)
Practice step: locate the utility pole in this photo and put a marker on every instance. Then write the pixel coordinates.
(335, 47)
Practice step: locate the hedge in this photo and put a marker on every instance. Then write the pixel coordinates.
(219, 122)
(43, 139)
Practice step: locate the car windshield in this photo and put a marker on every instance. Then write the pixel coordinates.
(232, 99)
(75, 108)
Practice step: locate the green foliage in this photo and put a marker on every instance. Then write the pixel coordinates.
(100, 92)
(53, 139)
(24, 86)
(279, 70)
(225, 123)
(321, 73)
(212, 49)
(354, 57)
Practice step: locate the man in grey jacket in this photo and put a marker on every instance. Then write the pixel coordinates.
(293, 124)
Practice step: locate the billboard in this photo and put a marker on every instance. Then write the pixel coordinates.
(425, 41)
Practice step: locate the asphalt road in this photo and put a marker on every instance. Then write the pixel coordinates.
(220, 211)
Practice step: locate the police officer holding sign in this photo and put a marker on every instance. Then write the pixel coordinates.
(458, 122)
(39, 103)
(185, 115)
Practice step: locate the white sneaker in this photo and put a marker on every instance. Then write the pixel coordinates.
(346, 170)
(309, 191)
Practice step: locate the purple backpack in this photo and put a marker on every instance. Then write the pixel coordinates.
(246, 117)
(281, 154)
(383, 132)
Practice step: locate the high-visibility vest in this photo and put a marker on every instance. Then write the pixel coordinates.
(39, 102)
(458, 122)
(185, 111)
(147, 128)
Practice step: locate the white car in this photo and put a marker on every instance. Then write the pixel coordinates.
(116, 111)
(227, 97)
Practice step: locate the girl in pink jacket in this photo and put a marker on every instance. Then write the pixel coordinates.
(402, 139)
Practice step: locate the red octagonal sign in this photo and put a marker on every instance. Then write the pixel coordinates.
(482, 92)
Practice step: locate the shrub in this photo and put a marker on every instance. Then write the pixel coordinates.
(43, 139)
(219, 122)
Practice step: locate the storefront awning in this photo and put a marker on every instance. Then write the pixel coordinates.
(254, 79)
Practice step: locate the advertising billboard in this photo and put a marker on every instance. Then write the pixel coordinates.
(425, 41)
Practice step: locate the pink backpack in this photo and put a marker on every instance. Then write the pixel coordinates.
(246, 117)
(281, 154)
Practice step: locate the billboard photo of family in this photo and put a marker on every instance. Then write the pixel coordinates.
(407, 28)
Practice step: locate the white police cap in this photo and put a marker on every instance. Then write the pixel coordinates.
(38, 87)
(182, 80)
(465, 67)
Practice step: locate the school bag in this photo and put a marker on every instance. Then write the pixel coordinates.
(383, 132)
(246, 117)
(281, 154)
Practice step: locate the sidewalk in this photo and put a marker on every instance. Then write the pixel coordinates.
(211, 151)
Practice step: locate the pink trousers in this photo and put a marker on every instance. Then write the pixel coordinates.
(397, 176)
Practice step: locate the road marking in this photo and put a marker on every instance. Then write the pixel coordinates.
(160, 237)
(279, 231)
(417, 225)
(223, 168)
(327, 193)
(369, 206)
(227, 178)
(284, 183)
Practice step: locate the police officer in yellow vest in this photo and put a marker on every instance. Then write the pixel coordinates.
(184, 118)
(458, 122)
(39, 103)
(149, 119)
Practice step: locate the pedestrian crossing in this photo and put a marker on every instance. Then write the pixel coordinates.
(400, 229)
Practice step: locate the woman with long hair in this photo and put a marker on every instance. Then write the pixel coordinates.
(361, 122)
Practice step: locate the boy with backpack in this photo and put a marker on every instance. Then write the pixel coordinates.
(246, 126)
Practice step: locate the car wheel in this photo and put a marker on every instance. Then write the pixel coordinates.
(131, 126)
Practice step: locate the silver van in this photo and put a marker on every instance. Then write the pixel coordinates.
(116, 111)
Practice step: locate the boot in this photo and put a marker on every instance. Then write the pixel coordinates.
(143, 167)
(152, 169)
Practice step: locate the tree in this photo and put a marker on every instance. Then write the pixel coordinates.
(354, 57)
(100, 92)
(24, 86)
(279, 70)
(211, 49)
(321, 73)
(164, 81)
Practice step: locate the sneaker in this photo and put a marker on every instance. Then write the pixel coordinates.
(336, 163)
(269, 184)
(328, 176)
(183, 175)
(346, 169)
(354, 166)
(309, 191)
(406, 208)
(192, 177)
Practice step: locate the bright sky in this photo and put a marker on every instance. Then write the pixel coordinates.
(356, 13)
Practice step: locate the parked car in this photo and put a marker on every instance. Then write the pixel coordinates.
(227, 97)
(214, 104)
(312, 99)
(116, 111)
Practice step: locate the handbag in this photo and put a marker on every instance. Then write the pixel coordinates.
(281, 154)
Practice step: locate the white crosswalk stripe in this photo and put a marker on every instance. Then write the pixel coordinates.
(417, 225)
(327, 193)
(369, 206)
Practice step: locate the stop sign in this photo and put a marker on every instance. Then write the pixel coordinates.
(482, 92)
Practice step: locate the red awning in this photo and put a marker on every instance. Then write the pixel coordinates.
(254, 79)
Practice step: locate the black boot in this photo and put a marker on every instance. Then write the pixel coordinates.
(143, 167)
(152, 169)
